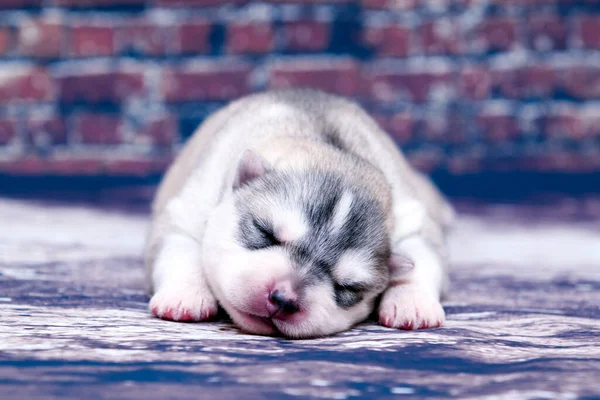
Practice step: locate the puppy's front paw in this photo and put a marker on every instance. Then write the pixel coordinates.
(183, 304)
(407, 307)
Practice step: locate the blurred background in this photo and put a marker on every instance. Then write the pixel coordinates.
(494, 98)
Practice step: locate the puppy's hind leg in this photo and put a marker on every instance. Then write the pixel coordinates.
(180, 289)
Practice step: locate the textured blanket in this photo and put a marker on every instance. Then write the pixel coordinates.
(523, 318)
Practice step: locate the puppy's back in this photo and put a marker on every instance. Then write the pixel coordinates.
(322, 118)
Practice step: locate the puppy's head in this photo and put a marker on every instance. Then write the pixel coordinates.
(304, 253)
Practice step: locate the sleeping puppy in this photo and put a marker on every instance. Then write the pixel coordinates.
(298, 215)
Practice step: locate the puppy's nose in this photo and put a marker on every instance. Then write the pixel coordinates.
(280, 302)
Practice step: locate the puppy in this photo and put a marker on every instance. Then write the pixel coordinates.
(298, 215)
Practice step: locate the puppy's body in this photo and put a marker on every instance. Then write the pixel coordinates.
(294, 211)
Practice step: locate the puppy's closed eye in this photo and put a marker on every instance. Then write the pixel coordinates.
(269, 238)
(350, 287)
(348, 294)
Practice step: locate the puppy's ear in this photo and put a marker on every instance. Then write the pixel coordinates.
(250, 167)
(399, 265)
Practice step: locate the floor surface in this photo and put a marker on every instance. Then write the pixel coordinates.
(523, 318)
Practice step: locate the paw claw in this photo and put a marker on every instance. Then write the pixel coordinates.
(407, 326)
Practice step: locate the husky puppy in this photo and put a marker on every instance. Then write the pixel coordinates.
(298, 215)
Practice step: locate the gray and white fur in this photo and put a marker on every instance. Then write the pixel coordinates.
(297, 214)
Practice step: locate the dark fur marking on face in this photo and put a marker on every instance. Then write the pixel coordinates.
(320, 212)
(316, 194)
(256, 234)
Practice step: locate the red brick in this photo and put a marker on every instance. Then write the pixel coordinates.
(335, 76)
(8, 130)
(565, 123)
(33, 165)
(382, 120)
(414, 86)
(160, 131)
(5, 40)
(497, 127)
(29, 165)
(142, 37)
(433, 127)
(88, 41)
(399, 126)
(19, 3)
(589, 32)
(464, 163)
(41, 38)
(440, 37)
(528, 3)
(198, 3)
(442, 127)
(494, 34)
(193, 37)
(99, 3)
(456, 128)
(100, 87)
(590, 118)
(136, 166)
(25, 84)
(75, 165)
(309, 1)
(547, 32)
(538, 81)
(466, 3)
(98, 129)
(426, 160)
(475, 82)
(249, 37)
(389, 40)
(582, 82)
(390, 4)
(526, 82)
(205, 81)
(48, 130)
(306, 35)
(563, 161)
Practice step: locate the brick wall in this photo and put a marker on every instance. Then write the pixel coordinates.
(113, 87)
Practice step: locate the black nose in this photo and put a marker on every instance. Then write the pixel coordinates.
(287, 305)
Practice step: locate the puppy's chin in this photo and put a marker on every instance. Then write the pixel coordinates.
(252, 323)
(320, 316)
(243, 292)
(242, 288)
